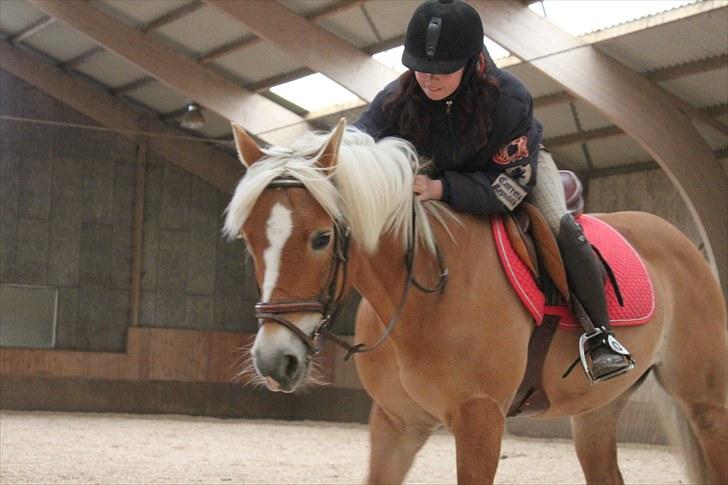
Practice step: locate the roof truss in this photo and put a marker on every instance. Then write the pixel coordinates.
(257, 114)
(316, 47)
(200, 159)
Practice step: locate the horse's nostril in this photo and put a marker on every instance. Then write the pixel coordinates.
(290, 365)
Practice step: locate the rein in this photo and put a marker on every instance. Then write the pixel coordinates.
(327, 304)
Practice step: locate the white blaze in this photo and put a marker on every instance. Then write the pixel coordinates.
(278, 230)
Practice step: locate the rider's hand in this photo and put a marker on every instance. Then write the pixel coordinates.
(427, 188)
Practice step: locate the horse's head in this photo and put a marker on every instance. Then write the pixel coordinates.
(298, 248)
(296, 208)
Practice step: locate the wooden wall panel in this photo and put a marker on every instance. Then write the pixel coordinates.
(62, 363)
(225, 353)
(162, 354)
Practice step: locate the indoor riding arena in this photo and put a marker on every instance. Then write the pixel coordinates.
(127, 317)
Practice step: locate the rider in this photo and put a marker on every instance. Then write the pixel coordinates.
(476, 123)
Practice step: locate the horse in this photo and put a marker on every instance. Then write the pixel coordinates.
(337, 211)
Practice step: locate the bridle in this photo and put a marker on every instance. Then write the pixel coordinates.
(330, 296)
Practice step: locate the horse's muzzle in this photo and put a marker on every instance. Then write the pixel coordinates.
(281, 371)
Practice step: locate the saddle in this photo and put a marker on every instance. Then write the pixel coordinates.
(533, 265)
(533, 240)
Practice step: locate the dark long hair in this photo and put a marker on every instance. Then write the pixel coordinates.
(473, 105)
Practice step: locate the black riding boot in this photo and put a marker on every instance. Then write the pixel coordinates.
(602, 356)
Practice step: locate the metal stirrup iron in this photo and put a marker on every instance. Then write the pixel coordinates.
(591, 341)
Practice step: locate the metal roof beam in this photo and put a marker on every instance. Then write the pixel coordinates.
(257, 114)
(688, 68)
(200, 159)
(157, 23)
(611, 130)
(552, 99)
(33, 28)
(81, 58)
(172, 16)
(631, 102)
(622, 169)
(313, 45)
(582, 136)
(636, 167)
(131, 86)
(226, 49)
(154, 24)
(252, 39)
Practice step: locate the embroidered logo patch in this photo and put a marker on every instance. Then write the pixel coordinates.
(520, 173)
(513, 151)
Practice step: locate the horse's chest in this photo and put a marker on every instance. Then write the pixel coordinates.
(426, 392)
(432, 383)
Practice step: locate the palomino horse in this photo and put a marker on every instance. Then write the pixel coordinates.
(457, 356)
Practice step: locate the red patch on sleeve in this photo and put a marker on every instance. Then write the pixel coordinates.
(515, 150)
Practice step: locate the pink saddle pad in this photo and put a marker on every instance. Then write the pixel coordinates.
(629, 271)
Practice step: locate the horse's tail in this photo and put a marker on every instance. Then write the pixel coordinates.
(681, 436)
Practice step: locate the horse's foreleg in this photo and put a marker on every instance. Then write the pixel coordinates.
(595, 438)
(478, 426)
(394, 444)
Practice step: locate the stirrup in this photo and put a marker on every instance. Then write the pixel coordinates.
(589, 342)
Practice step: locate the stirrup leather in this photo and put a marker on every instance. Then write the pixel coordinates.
(589, 342)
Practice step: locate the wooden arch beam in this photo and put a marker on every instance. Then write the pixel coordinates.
(316, 47)
(200, 159)
(257, 114)
(632, 103)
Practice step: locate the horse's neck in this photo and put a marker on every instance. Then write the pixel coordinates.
(470, 257)
(381, 276)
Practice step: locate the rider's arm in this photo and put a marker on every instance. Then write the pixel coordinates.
(486, 192)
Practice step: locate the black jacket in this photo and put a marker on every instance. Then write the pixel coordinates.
(468, 173)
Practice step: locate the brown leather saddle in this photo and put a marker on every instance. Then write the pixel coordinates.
(536, 245)
(533, 240)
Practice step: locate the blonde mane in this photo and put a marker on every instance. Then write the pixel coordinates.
(370, 189)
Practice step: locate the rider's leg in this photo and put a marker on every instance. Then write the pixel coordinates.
(605, 357)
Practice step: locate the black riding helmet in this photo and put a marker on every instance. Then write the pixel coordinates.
(442, 36)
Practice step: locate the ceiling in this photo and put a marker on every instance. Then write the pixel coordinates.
(683, 51)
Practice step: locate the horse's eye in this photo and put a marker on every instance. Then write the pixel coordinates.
(320, 240)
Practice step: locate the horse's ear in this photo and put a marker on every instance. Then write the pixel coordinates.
(248, 151)
(331, 152)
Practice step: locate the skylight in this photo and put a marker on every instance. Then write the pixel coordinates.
(314, 93)
(392, 58)
(495, 50)
(580, 18)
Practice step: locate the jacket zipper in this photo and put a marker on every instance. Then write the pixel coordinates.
(448, 108)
